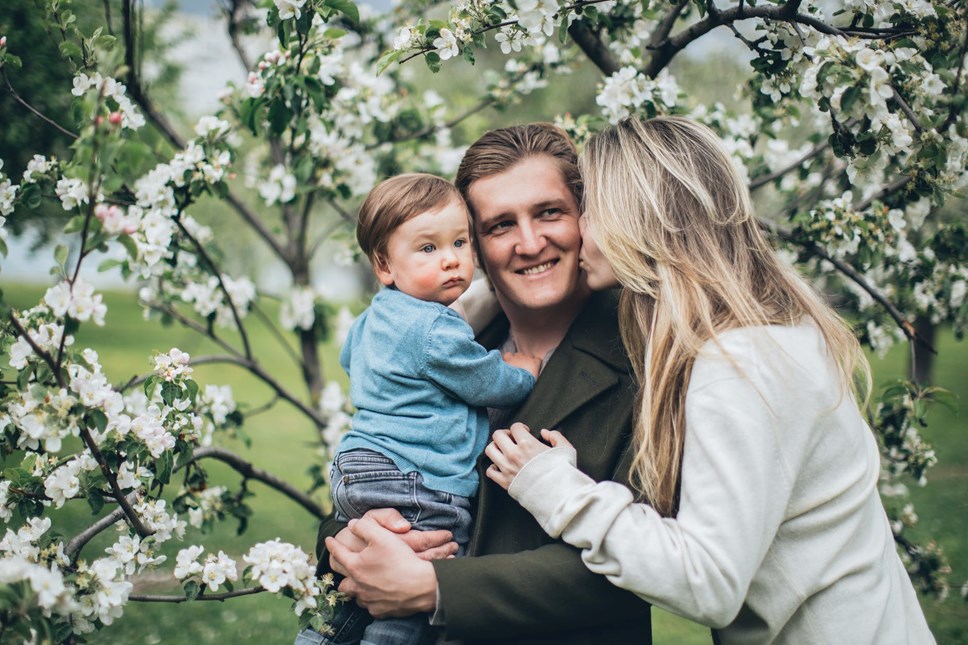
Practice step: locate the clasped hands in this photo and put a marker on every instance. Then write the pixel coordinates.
(511, 449)
(387, 565)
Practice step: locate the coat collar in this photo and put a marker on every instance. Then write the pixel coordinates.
(586, 363)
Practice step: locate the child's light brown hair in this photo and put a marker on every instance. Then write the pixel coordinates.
(393, 202)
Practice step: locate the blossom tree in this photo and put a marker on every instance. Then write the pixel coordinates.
(851, 132)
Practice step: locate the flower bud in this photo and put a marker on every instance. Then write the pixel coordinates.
(3, 41)
(114, 118)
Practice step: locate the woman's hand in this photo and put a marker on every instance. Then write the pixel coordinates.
(511, 449)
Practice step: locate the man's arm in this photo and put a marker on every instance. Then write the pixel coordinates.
(530, 592)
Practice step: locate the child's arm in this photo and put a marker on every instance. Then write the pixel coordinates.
(458, 364)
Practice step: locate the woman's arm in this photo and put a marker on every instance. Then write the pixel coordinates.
(735, 487)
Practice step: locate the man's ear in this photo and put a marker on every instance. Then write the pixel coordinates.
(381, 267)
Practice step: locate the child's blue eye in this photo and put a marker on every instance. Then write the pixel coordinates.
(460, 243)
(427, 248)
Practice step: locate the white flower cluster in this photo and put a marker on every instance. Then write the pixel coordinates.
(215, 403)
(48, 336)
(154, 515)
(212, 573)
(207, 298)
(76, 300)
(133, 554)
(628, 92)
(337, 411)
(280, 188)
(39, 414)
(64, 483)
(175, 364)
(72, 193)
(110, 89)
(21, 559)
(38, 166)
(298, 310)
(8, 193)
(290, 9)
(103, 592)
(276, 565)
(115, 220)
(208, 505)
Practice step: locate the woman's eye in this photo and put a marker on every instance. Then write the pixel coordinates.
(427, 248)
(550, 212)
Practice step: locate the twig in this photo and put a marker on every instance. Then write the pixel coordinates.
(759, 182)
(221, 283)
(202, 596)
(34, 110)
(952, 111)
(45, 355)
(261, 315)
(908, 112)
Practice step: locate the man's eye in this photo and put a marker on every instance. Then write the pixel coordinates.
(427, 248)
(500, 226)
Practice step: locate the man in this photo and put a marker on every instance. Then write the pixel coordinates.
(517, 585)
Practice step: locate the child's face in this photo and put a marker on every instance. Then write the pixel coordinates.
(429, 256)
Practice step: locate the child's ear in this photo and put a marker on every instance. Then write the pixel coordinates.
(381, 267)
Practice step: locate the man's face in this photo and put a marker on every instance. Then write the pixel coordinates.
(526, 220)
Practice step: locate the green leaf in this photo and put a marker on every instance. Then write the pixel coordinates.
(433, 61)
(163, 467)
(170, 392)
(75, 224)
(192, 589)
(60, 254)
(345, 7)
(129, 245)
(95, 500)
(99, 419)
(279, 116)
(387, 59)
(149, 386)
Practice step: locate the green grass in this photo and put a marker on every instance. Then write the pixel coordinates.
(282, 443)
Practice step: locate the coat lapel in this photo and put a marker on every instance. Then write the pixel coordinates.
(581, 368)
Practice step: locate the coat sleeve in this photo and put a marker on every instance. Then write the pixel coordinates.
(505, 596)
(458, 364)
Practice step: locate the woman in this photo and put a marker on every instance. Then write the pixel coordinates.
(757, 510)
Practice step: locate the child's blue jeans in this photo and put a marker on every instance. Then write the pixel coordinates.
(362, 480)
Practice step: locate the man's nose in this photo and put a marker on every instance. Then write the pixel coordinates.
(530, 241)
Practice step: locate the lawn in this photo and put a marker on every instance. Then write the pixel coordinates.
(282, 443)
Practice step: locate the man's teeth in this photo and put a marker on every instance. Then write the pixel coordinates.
(538, 269)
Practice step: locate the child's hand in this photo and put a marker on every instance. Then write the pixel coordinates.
(524, 361)
(511, 449)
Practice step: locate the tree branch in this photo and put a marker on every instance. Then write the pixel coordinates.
(666, 50)
(759, 182)
(249, 471)
(77, 543)
(257, 370)
(137, 94)
(592, 45)
(44, 355)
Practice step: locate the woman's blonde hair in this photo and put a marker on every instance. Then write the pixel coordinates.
(675, 221)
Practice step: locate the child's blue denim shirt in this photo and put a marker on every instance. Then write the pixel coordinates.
(420, 383)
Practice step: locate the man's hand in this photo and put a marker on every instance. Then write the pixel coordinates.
(427, 545)
(511, 449)
(386, 577)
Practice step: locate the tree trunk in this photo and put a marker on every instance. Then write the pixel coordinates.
(921, 361)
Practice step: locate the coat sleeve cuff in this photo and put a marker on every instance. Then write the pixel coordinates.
(547, 481)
